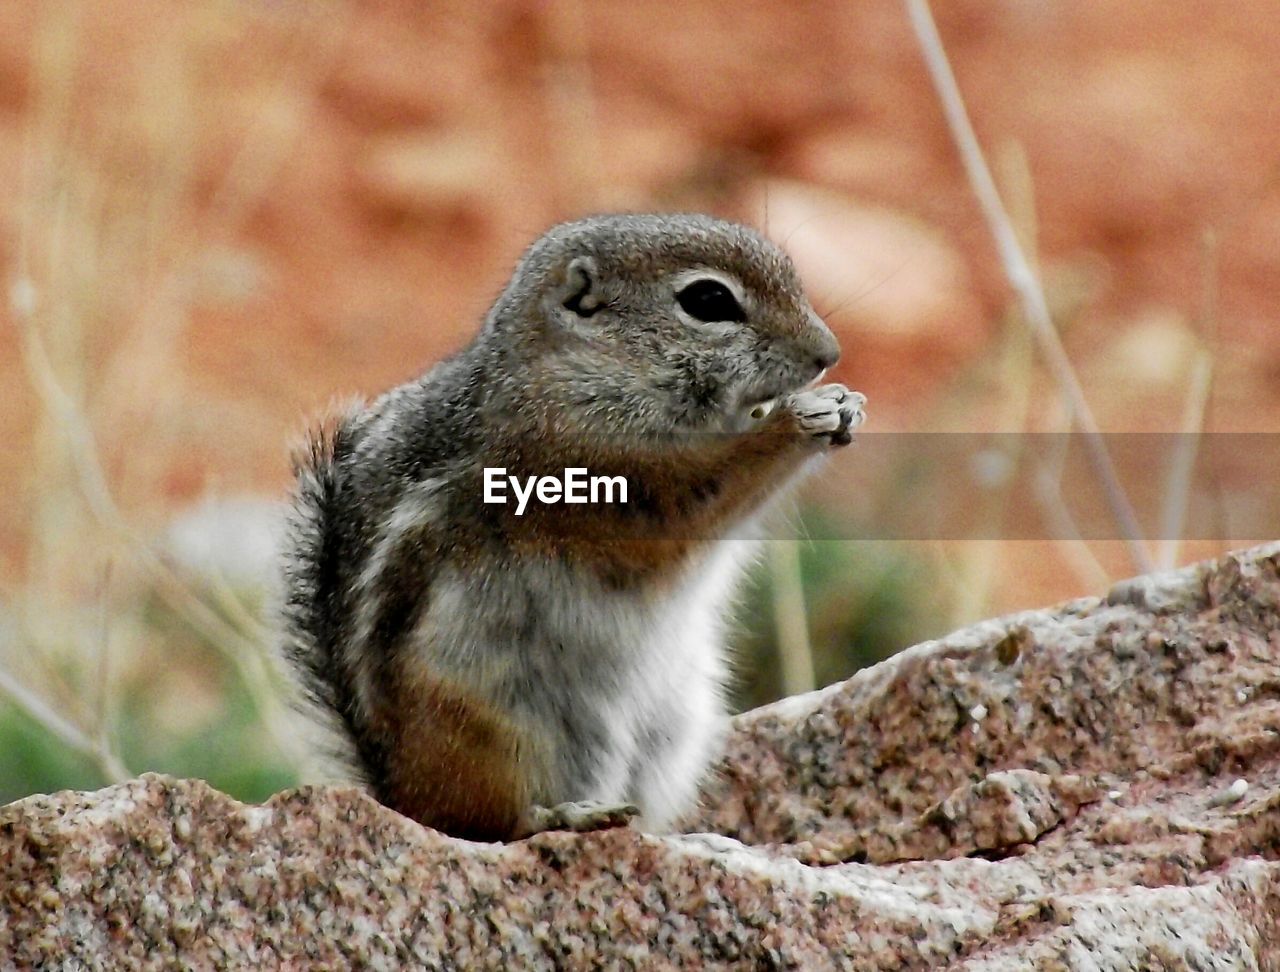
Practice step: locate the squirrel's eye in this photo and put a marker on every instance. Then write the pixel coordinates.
(709, 300)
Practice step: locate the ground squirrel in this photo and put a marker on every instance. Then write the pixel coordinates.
(499, 673)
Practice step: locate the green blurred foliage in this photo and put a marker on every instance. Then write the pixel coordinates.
(861, 600)
(177, 706)
(227, 750)
(34, 761)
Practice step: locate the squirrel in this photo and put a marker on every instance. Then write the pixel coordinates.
(495, 675)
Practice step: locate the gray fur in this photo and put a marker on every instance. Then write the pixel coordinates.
(615, 678)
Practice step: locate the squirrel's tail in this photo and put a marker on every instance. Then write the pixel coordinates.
(322, 533)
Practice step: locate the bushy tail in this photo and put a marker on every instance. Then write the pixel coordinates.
(321, 547)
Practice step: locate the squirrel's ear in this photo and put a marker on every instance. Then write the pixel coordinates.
(580, 291)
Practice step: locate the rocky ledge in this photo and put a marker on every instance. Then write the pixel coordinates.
(1096, 786)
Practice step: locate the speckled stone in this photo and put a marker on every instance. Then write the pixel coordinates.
(1055, 790)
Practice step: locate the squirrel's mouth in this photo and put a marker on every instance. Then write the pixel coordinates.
(758, 402)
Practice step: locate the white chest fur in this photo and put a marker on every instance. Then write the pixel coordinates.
(619, 693)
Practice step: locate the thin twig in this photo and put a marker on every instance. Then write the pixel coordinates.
(47, 336)
(1023, 279)
(571, 103)
(1013, 361)
(244, 654)
(102, 504)
(1177, 490)
(112, 769)
(1049, 472)
(102, 695)
(258, 156)
(1063, 527)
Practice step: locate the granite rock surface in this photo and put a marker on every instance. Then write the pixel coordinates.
(1091, 787)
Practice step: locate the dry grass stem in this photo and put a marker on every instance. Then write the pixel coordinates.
(112, 768)
(245, 654)
(1195, 412)
(1023, 279)
(78, 264)
(1177, 490)
(102, 697)
(1063, 528)
(795, 653)
(571, 106)
(1013, 365)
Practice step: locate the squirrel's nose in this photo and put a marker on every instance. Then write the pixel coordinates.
(826, 351)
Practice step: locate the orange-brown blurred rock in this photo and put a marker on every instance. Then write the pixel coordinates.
(894, 288)
(885, 275)
(137, 136)
(432, 173)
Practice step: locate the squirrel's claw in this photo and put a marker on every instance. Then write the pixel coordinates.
(579, 816)
(831, 411)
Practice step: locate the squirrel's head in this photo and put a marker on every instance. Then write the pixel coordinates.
(686, 319)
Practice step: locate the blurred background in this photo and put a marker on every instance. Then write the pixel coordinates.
(219, 216)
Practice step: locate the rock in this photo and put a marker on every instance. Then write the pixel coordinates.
(882, 272)
(429, 172)
(1073, 803)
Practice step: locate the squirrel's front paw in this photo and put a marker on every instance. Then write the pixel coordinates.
(831, 411)
(579, 816)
